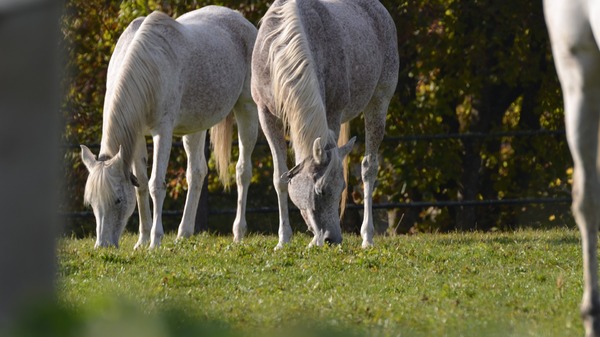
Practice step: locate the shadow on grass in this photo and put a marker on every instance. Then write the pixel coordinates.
(116, 318)
(509, 239)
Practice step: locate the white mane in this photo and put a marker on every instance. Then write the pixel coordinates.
(295, 83)
(99, 187)
(135, 87)
(131, 98)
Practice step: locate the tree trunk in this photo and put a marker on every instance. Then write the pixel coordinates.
(487, 114)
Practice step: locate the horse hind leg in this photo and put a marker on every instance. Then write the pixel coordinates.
(195, 172)
(586, 189)
(582, 133)
(375, 115)
(578, 66)
(246, 116)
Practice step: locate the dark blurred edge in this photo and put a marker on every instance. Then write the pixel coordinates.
(29, 155)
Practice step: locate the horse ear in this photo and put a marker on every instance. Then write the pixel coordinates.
(116, 158)
(318, 152)
(88, 158)
(344, 150)
(118, 155)
(134, 179)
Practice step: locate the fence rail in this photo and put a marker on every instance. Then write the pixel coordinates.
(406, 138)
(392, 205)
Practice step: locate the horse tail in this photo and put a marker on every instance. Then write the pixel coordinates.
(342, 140)
(221, 136)
(294, 80)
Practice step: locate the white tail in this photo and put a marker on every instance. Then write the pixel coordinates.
(220, 140)
(342, 140)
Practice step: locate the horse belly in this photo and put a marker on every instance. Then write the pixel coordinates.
(204, 110)
(363, 84)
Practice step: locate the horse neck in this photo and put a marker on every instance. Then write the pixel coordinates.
(119, 132)
(295, 82)
(129, 101)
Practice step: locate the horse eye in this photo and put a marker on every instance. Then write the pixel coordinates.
(118, 201)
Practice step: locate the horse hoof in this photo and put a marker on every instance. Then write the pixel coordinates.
(366, 245)
(239, 232)
(182, 237)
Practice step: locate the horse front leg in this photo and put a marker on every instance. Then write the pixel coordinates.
(158, 186)
(140, 170)
(195, 172)
(273, 130)
(246, 116)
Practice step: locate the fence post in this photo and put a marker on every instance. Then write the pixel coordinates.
(29, 153)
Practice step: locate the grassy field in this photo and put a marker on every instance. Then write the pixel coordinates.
(526, 283)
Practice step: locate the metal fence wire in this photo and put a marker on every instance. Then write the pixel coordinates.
(388, 205)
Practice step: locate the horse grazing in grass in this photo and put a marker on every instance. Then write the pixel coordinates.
(317, 64)
(172, 77)
(574, 28)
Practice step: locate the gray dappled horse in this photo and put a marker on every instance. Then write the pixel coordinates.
(574, 27)
(318, 64)
(172, 77)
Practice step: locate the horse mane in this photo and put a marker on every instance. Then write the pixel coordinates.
(295, 83)
(136, 87)
(100, 186)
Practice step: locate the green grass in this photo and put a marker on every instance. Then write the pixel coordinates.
(526, 283)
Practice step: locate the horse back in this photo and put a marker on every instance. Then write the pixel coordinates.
(223, 21)
(218, 50)
(188, 71)
(354, 48)
(354, 44)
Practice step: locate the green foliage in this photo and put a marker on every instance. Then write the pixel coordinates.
(466, 67)
(474, 67)
(525, 283)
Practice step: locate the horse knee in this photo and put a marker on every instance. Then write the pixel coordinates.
(280, 185)
(157, 187)
(369, 167)
(142, 184)
(585, 203)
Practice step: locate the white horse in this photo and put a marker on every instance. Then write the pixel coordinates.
(574, 27)
(172, 77)
(318, 64)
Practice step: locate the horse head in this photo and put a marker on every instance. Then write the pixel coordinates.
(110, 192)
(315, 186)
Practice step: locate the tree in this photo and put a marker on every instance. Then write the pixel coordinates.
(472, 67)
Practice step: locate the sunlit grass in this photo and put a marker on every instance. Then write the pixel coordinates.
(526, 283)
